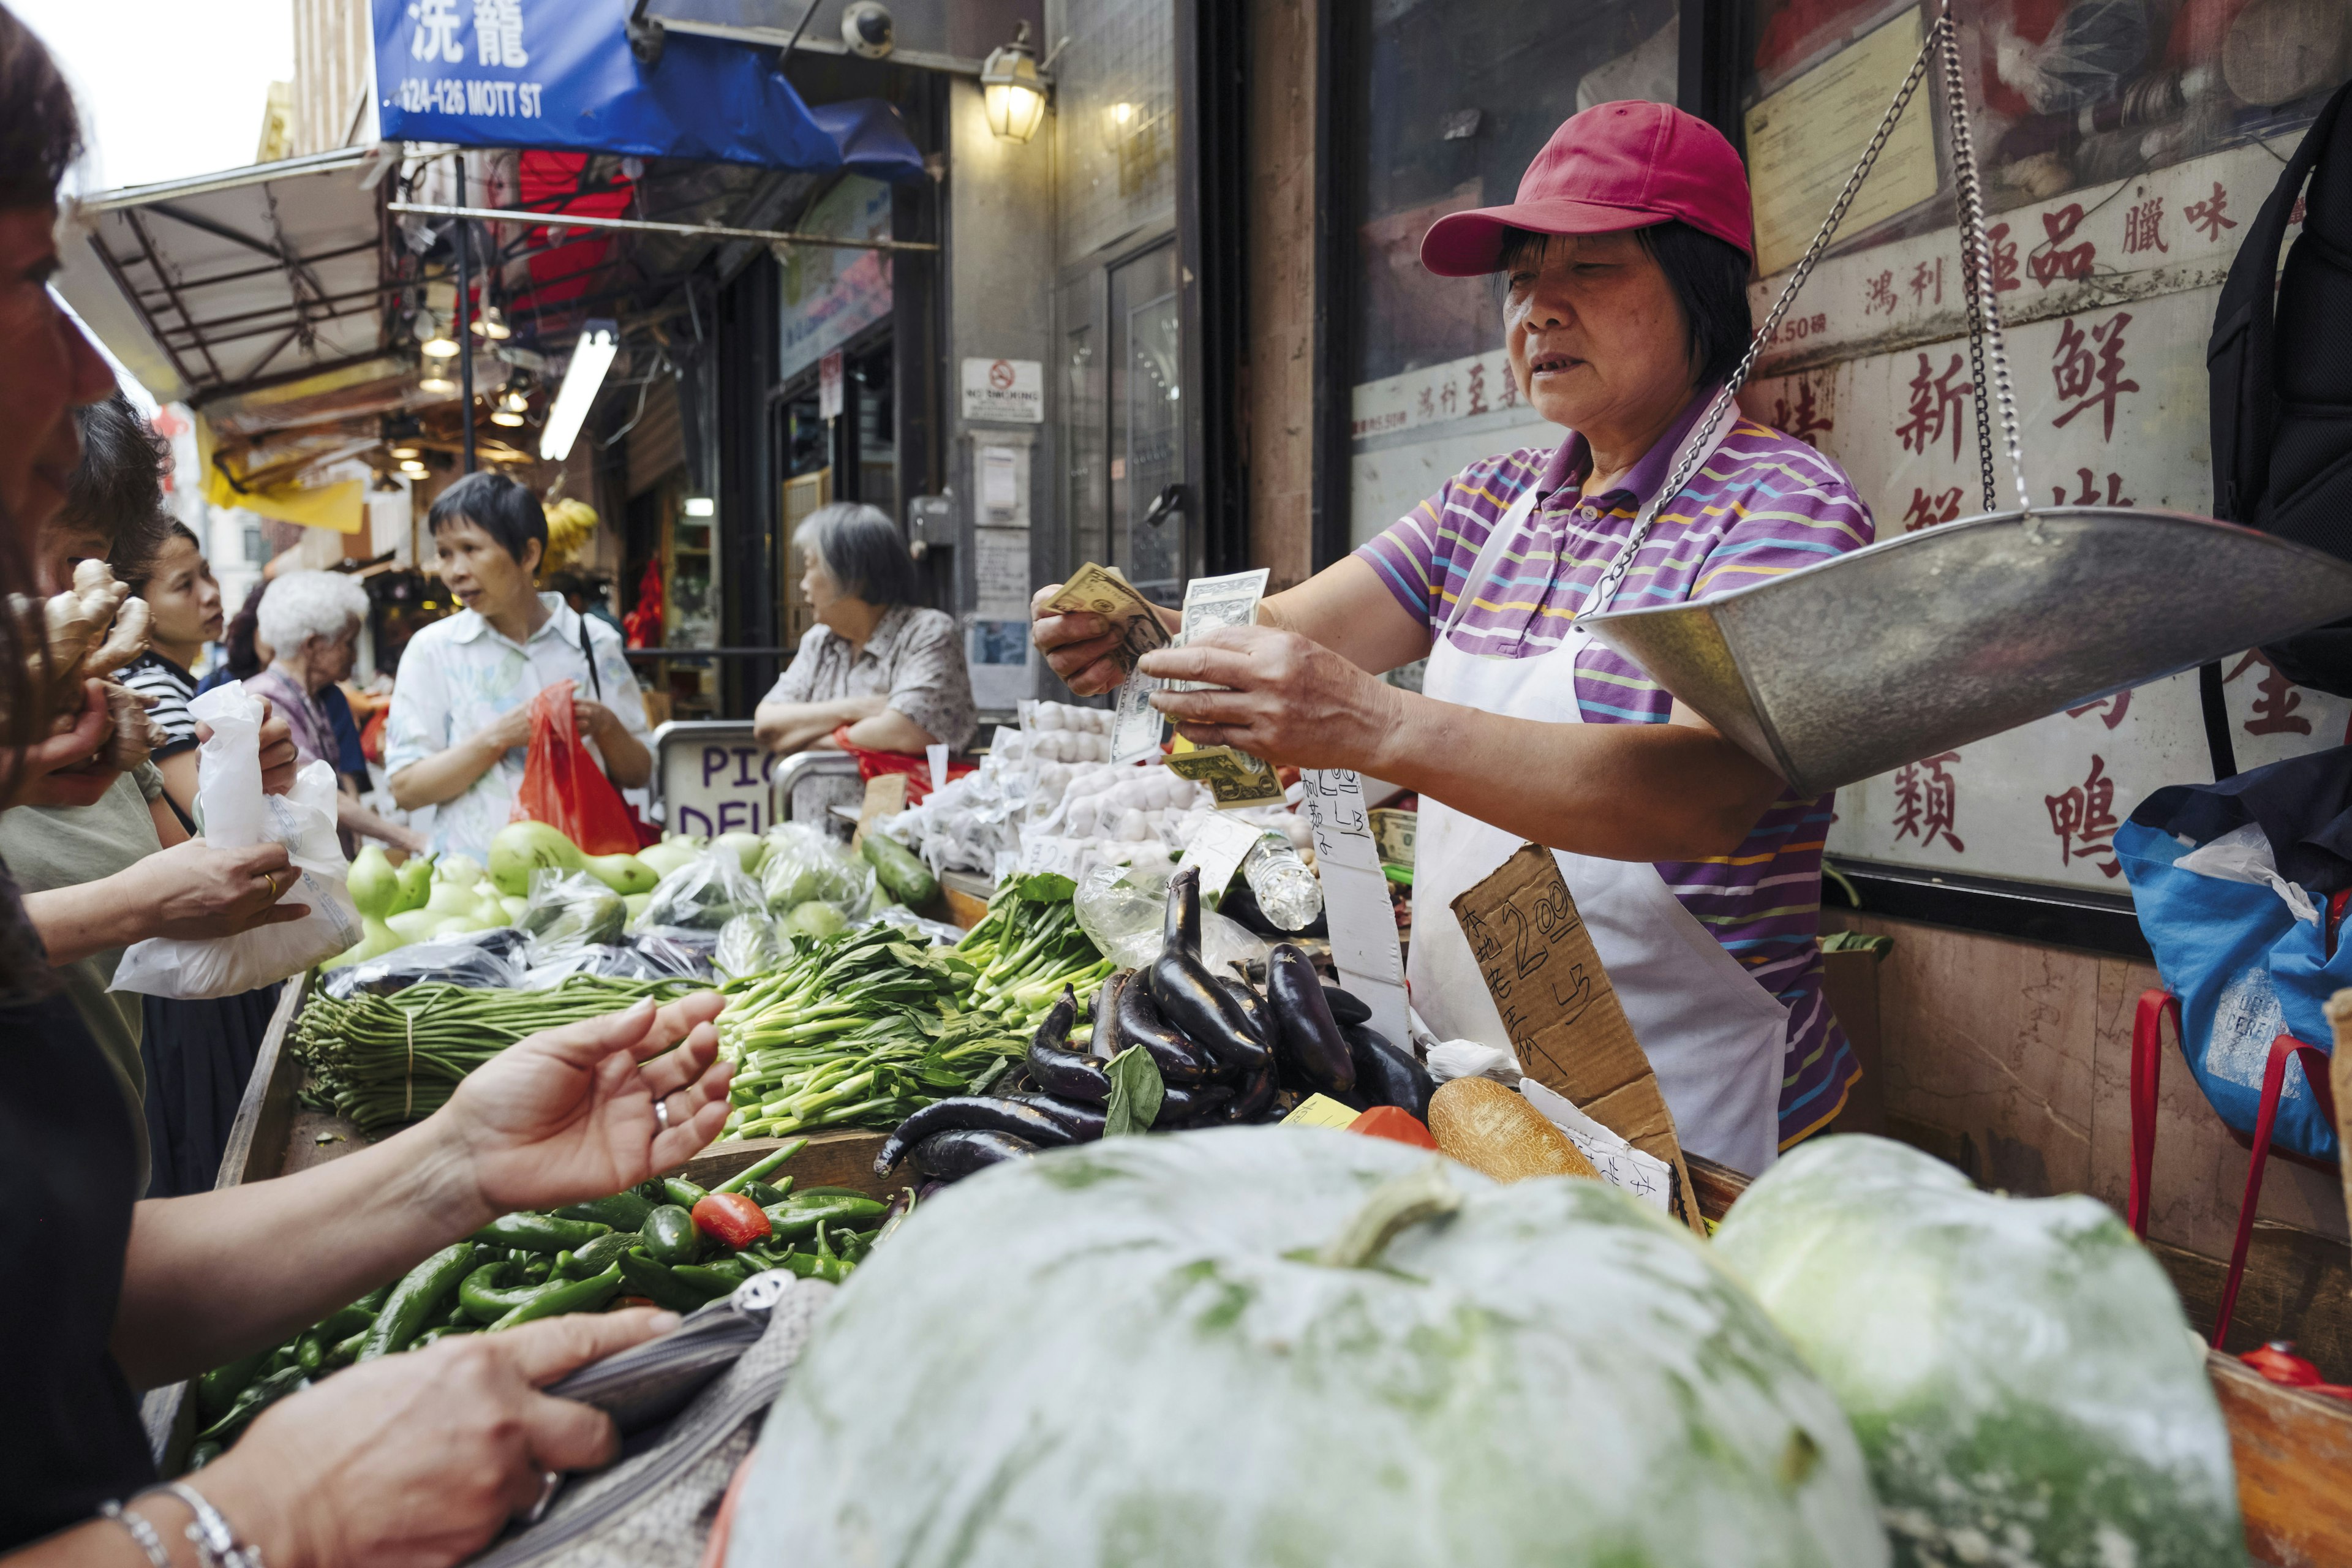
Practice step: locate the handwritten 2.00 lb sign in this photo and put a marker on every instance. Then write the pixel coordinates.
(714, 778)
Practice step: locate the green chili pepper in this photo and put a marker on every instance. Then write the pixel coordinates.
(670, 1236)
(646, 1277)
(410, 1307)
(759, 1168)
(541, 1233)
(218, 1389)
(555, 1299)
(712, 1283)
(683, 1193)
(256, 1399)
(622, 1211)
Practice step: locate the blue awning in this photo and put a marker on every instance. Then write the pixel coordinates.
(559, 73)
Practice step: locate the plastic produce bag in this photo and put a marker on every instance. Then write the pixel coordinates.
(939, 933)
(1124, 910)
(806, 865)
(564, 787)
(674, 954)
(747, 945)
(480, 961)
(704, 894)
(569, 910)
(237, 816)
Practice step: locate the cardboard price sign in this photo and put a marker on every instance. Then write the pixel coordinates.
(1563, 1017)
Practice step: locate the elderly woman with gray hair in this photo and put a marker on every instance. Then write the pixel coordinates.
(312, 621)
(876, 669)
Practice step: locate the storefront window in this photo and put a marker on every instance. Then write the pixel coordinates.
(1114, 117)
(1455, 102)
(2125, 146)
(1146, 440)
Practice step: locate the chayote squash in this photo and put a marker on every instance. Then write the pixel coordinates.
(2017, 1370)
(1119, 1354)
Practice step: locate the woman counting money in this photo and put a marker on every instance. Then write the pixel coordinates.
(1625, 260)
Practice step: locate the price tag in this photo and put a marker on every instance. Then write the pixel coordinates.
(1218, 847)
(1364, 947)
(1562, 1015)
(1321, 1111)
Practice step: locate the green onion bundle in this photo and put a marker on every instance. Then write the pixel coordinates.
(386, 1061)
(1028, 947)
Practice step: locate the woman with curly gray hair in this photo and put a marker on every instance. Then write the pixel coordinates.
(312, 619)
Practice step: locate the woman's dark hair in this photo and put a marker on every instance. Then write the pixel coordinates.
(237, 652)
(498, 506)
(40, 134)
(1709, 277)
(118, 489)
(172, 529)
(861, 548)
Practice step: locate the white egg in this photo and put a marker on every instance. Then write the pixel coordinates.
(1131, 826)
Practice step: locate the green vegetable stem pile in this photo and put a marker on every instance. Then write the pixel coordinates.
(386, 1061)
(1030, 946)
(665, 1243)
(856, 1030)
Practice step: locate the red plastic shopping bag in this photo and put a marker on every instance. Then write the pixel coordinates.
(872, 765)
(564, 787)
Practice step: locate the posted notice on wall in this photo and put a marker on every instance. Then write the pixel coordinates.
(1008, 391)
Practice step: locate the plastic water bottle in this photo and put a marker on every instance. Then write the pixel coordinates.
(1289, 894)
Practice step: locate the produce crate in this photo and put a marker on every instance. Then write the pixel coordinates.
(2293, 1449)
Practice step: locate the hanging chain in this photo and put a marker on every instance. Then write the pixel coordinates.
(1985, 342)
(1697, 448)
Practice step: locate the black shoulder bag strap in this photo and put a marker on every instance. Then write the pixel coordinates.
(2240, 368)
(589, 658)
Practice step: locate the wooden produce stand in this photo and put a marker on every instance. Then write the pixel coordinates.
(2294, 1449)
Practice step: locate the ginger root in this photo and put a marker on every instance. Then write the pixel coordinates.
(135, 735)
(91, 630)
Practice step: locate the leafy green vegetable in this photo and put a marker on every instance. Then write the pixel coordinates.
(1136, 1091)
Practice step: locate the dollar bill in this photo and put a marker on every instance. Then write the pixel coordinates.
(1228, 601)
(1095, 590)
(1394, 831)
(1135, 725)
(1234, 777)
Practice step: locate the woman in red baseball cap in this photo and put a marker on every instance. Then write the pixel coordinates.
(1625, 262)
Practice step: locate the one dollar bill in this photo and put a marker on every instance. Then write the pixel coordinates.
(1233, 776)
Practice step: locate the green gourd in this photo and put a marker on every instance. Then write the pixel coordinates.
(415, 879)
(2017, 1370)
(625, 874)
(521, 847)
(373, 882)
(1277, 1345)
(678, 849)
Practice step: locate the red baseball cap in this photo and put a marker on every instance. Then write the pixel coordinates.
(1613, 167)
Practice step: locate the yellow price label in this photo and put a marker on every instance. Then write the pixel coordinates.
(1321, 1111)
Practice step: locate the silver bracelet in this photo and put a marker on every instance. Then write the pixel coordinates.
(140, 1532)
(215, 1542)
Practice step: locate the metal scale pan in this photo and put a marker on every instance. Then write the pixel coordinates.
(1931, 640)
(1922, 643)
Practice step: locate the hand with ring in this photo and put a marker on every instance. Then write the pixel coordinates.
(201, 892)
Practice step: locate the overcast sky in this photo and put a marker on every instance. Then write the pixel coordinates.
(167, 88)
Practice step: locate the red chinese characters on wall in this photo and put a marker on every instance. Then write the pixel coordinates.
(1934, 405)
(2275, 699)
(2054, 259)
(2207, 217)
(1925, 278)
(1927, 509)
(2004, 259)
(1926, 801)
(2084, 818)
(1806, 417)
(2144, 227)
(1880, 295)
(1477, 381)
(2110, 710)
(2088, 495)
(2089, 369)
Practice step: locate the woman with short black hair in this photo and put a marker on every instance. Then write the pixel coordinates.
(876, 672)
(460, 721)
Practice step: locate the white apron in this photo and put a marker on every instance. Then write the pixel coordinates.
(1715, 1037)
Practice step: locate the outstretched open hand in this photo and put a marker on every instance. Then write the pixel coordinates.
(568, 1113)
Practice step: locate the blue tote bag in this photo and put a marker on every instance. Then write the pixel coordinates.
(2231, 881)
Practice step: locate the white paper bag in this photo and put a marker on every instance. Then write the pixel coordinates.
(236, 816)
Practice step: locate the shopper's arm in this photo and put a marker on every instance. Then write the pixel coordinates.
(627, 762)
(891, 731)
(353, 817)
(788, 727)
(565, 1115)
(169, 830)
(191, 890)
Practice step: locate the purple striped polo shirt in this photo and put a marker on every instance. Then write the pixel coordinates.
(1765, 504)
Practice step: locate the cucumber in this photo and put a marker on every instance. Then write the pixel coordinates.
(896, 868)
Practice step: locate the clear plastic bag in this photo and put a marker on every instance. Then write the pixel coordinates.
(1123, 909)
(806, 865)
(237, 816)
(704, 894)
(676, 954)
(939, 933)
(480, 961)
(568, 910)
(747, 946)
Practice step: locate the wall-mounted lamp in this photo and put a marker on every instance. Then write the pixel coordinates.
(1012, 92)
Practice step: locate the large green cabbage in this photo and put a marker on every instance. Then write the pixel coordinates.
(1118, 1353)
(2017, 1370)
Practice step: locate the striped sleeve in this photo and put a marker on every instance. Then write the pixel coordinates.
(1792, 509)
(170, 711)
(1423, 555)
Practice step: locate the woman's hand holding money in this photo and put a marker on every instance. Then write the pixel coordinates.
(1287, 699)
(1092, 653)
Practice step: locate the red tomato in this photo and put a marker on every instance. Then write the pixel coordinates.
(1395, 1122)
(732, 1219)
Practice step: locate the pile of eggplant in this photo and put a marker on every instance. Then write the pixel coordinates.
(1227, 1053)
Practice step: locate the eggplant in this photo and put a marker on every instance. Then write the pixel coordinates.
(956, 1153)
(1312, 1048)
(1347, 1007)
(1106, 1043)
(1056, 1069)
(1083, 1122)
(1188, 996)
(1254, 1008)
(1255, 1096)
(976, 1112)
(1386, 1075)
(1183, 1107)
(1139, 1024)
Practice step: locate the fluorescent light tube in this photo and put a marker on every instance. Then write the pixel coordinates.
(592, 357)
